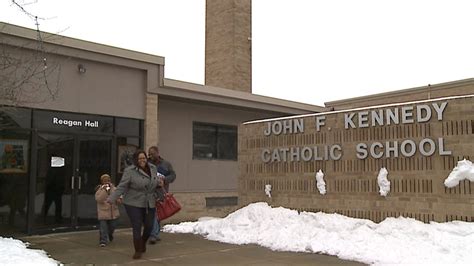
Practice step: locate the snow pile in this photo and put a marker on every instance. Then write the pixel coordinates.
(393, 241)
(320, 184)
(464, 170)
(383, 182)
(15, 252)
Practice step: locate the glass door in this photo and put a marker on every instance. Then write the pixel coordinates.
(94, 160)
(54, 181)
(68, 172)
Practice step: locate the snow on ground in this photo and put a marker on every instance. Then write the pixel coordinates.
(393, 241)
(15, 252)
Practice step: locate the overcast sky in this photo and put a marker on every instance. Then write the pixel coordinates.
(302, 50)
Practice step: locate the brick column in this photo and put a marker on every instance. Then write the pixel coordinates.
(151, 120)
(228, 44)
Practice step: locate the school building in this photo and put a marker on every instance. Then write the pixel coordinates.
(108, 102)
(101, 103)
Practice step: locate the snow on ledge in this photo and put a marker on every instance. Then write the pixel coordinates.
(320, 184)
(383, 182)
(268, 190)
(464, 170)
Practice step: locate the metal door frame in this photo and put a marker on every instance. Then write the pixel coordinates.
(74, 177)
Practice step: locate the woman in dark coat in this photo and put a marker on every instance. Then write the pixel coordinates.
(137, 186)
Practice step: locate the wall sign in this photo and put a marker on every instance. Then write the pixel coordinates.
(382, 117)
(75, 123)
(72, 122)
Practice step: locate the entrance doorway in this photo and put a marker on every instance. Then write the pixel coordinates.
(68, 171)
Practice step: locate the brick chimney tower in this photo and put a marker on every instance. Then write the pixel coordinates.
(229, 44)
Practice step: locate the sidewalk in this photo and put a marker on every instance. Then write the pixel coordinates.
(173, 249)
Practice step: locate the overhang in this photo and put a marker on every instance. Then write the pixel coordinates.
(221, 96)
(60, 40)
(426, 92)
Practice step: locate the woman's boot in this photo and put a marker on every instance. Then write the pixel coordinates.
(137, 244)
(143, 245)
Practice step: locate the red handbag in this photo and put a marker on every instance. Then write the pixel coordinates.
(168, 207)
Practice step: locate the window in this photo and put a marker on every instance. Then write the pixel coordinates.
(221, 201)
(127, 126)
(211, 141)
(15, 117)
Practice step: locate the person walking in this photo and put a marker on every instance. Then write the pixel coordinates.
(138, 185)
(167, 174)
(107, 214)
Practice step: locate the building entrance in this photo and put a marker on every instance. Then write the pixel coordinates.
(68, 171)
(50, 164)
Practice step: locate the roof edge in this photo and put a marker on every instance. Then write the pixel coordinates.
(402, 92)
(57, 39)
(357, 109)
(239, 95)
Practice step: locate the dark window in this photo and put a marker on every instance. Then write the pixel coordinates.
(126, 148)
(221, 201)
(14, 176)
(11, 117)
(211, 141)
(127, 126)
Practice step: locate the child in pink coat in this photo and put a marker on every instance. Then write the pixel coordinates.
(107, 213)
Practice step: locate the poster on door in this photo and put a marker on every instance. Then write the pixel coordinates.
(125, 156)
(13, 156)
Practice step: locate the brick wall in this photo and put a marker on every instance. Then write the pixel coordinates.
(417, 188)
(228, 44)
(194, 206)
(151, 120)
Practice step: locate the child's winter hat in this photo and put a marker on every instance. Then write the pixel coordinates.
(104, 176)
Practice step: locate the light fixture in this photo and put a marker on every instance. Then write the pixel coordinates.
(81, 68)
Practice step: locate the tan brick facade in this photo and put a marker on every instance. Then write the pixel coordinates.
(194, 206)
(417, 188)
(228, 44)
(151, 120)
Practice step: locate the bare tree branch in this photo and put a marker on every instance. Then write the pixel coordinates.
(21, 7)
(24, 71)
